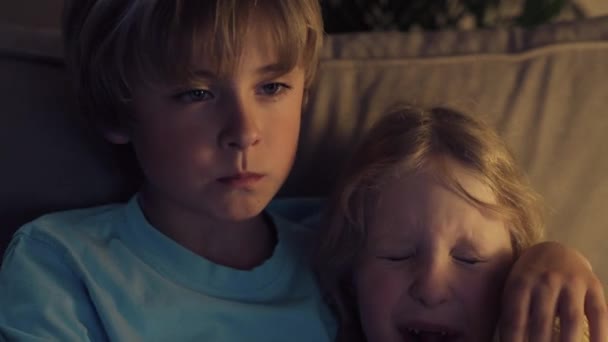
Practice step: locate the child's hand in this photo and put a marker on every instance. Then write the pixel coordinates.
(550, 279)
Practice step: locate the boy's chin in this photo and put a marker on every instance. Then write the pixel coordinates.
(242, 209)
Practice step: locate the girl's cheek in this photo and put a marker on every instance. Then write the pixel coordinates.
(378, 286)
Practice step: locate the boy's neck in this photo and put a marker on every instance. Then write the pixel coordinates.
(241, 245)
(243, 248)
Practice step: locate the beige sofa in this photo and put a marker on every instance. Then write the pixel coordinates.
(546, 91)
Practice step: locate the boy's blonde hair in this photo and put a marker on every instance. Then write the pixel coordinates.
(113, 45)
(405, 141)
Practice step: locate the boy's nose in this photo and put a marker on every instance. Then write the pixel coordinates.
(241, 132)
(430, 286)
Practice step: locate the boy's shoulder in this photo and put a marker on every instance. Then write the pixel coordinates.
(75, 226)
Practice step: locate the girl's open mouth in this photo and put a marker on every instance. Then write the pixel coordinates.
(437, 334)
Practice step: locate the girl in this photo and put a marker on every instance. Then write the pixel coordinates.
(422, 233)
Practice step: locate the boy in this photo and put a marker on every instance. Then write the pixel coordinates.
(209, 94)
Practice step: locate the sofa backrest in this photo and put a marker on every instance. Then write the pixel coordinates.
(50, 158)
(546, 91)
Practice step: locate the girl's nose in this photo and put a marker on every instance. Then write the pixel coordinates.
(430, 286)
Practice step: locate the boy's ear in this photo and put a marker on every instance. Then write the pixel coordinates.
(118, 136)
(305, 98)
(117, 131)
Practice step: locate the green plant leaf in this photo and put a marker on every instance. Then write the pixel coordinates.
(536, 12)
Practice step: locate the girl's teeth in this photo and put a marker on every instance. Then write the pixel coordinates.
(417, 332)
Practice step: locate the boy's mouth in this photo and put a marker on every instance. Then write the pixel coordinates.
(245, 179)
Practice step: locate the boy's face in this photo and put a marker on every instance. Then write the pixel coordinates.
(220, 148)
(434, 264)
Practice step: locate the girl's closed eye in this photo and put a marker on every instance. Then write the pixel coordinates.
(397, 256)
(469, 253)
(194, 95)
(468, 259)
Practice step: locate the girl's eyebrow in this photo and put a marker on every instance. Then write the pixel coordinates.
(478, 246)
(391, 239)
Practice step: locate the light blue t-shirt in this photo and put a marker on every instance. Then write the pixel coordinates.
(105, 273)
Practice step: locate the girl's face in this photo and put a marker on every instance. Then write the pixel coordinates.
(434, 263)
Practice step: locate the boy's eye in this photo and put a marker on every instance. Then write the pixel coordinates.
(274, 88)
(195, 95)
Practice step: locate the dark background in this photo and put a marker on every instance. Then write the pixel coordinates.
(377, 15)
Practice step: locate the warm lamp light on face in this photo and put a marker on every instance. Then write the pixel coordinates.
(434, 262)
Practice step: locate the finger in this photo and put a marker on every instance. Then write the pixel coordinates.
(515, 310)
(572, 313)
(542, 312)
(597, 313)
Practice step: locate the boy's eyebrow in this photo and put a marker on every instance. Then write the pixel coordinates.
(270, 69)
(202, 73)
(275, 68)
